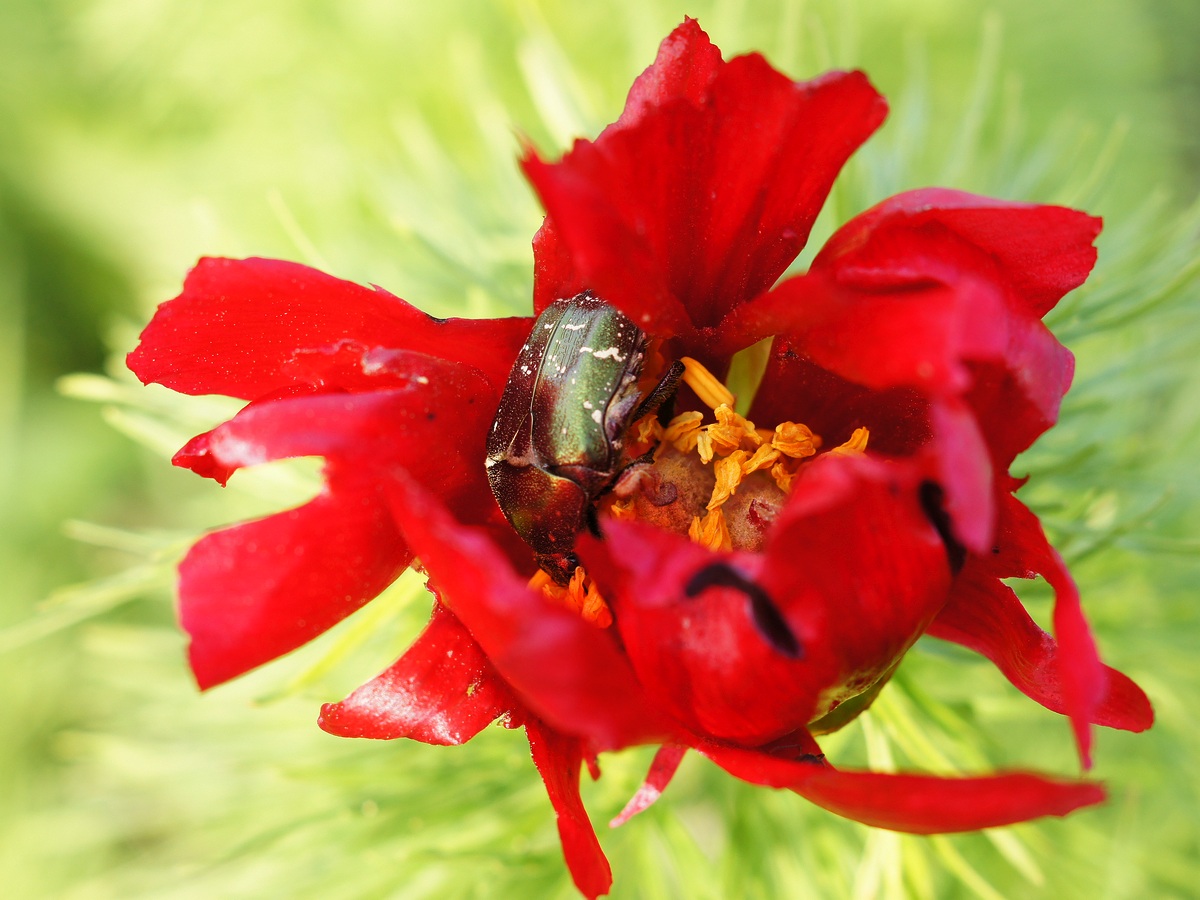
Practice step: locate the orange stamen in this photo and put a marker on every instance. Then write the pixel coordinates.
(711, 531)
(856, 445)
(729, 476)
(580, 596)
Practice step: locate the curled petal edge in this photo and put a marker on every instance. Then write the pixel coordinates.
(985, 615)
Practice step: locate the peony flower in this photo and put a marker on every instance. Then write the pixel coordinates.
(745, 582)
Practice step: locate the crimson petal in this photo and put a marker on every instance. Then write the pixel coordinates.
(699, 227)
(686, 64)
(441, 691)
(917, 804)
(255, 591)
(985, 615)
(1023, 551)
(1041, 252)
(751, 646)
(558, 759)
(252, 327)
(434, 425)
(258, 590)
(572, 674)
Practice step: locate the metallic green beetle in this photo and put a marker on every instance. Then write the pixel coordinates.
(557, 441)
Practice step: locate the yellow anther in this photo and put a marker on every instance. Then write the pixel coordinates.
(729, 476)
(580, 596)
(795, 440)
(710, 391)
(539, 580)
(583, 597)
(704, 446)
(622, 509)
(647, 430)
(784, 475)
(764, 457)
(732, 432)
(594, 609)
(856, 444)
(683, 431)
(575, 586)
(711, 531)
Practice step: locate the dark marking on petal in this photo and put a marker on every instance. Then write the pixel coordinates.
(767, 618)
(933, 503)
(815, 759)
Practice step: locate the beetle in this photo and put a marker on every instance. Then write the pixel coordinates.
(556, 444)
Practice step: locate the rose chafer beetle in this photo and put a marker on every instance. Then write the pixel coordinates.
(558, 440)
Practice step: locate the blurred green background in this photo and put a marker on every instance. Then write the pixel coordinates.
(376, 139)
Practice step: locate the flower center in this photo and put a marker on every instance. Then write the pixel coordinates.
(722, 482)
(729, 476)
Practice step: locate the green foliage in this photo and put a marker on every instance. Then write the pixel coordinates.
(375, 139)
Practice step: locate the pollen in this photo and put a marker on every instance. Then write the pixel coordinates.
(580, 596)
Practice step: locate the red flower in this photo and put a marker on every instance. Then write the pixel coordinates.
(769, 593)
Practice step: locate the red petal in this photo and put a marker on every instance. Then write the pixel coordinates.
(985, 615)
(606, 254)
(742, 160)
(662, 770)
(918, 804)
(686, 64)
(923, 293)
(572, 674)
(441, 691)
(436, 426)
(1040, 252)
(558, 759)
(554, 274)
(796, 389)
(1017, 400)
(252, 327)
(965, 470)
(748, 647)
(1021, 551)
(256, 591)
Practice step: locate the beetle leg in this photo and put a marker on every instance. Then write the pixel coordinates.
(661, 392)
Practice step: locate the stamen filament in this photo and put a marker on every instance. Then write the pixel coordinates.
(710, 391)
